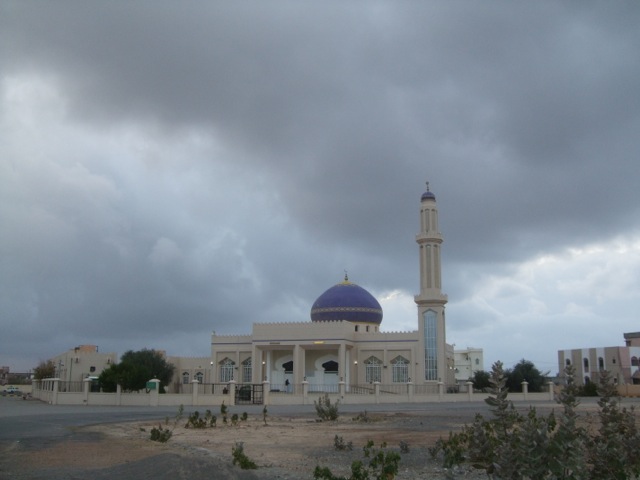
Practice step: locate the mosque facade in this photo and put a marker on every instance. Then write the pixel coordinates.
(343, 341)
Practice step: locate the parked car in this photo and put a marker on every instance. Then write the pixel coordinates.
(11, 391)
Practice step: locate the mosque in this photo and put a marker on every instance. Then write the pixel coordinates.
(343, 341)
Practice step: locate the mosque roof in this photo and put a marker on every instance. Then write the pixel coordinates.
(346, 301)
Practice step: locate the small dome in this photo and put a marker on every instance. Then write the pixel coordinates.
(428, 195)
(346, 301)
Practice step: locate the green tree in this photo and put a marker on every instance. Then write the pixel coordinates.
(525, 370)
(136, 369)
(44, 370)
(480, 380)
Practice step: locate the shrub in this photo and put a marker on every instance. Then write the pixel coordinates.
(512, 445)
(338, 443)
(223, 411)
(590, 389)
(160, 434)
(325, 410)
(362, 417)
(382, 465)
(240, 458)
(404, 447)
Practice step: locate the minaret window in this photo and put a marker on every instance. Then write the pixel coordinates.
(430, 345)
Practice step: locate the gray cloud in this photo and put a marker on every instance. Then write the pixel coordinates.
(172, 169)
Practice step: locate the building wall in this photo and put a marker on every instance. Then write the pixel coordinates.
(309, 345)
(588, 363)
(632, 339)
(81, 362)
(467, 362)
(187, 369)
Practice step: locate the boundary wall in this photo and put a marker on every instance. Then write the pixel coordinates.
(49, 390)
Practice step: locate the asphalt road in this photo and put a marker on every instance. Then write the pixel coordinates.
(23, 419)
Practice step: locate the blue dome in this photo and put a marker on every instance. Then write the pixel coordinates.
(428, 195)
(346, 301)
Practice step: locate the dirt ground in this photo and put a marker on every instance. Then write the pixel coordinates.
(283, 448)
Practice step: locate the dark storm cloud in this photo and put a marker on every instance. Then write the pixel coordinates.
(310, 130)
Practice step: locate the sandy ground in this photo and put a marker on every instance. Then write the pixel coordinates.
(283, 448)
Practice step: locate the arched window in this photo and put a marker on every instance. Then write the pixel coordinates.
(372, 370)
(288, 366)
(399, 370)
(247, 371)
(600, 363)
(567, 361)
(585, 362)
(185, 378)
(329, 367)
(634, 361)
(199, 377)
(226, 370)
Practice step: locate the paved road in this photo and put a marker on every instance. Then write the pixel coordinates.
(23, 419)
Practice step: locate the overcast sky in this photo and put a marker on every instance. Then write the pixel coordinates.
(172, 168)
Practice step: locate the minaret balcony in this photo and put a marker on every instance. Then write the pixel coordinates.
(429, 237)
(431, 296)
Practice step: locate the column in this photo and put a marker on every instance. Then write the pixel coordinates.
(194, 392)
(85, 390)
(232, 392)
(470, 390)
(54, 396)
(154, 392)
(342, 361)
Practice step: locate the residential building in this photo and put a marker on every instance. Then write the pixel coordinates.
(621, 362)
(82, 362)
(467, 362)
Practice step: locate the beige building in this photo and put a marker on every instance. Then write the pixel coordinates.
(188, 369)
(343, 341)
(467, 362)
(621, 362)
(82, 362)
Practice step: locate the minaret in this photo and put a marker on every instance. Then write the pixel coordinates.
(430, 300)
